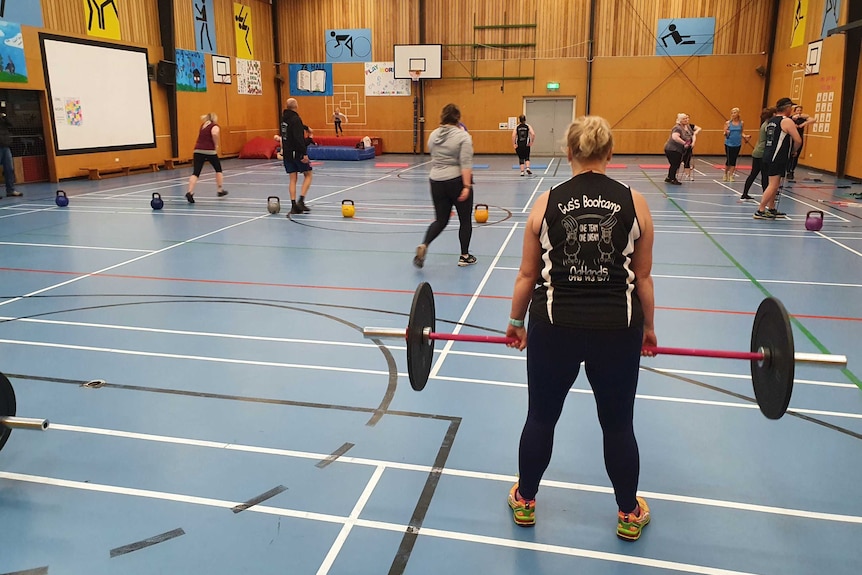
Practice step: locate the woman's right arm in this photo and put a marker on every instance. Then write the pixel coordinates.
(642, 268)
(531, 265)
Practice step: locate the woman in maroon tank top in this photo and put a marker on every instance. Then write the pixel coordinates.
(206, 150)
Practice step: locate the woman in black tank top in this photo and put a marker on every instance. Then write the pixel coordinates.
(585, 277)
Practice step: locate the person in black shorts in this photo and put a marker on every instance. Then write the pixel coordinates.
(522, 139)
(206, 150)
(294, 151)
(585, 276)
(782, 141)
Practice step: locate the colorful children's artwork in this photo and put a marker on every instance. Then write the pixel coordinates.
(13, 66)
(248, 79)
(191, 71)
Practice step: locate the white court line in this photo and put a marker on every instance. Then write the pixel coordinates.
(380, 525)
(316, 342)
(115, 266)
(435, 369)
(71, 247)
(351, 521)
(464, 473)
(822, 235)
(384, 177)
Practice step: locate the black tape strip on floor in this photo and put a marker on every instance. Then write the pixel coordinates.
(335, 455)
(155, 540)
(260, 498)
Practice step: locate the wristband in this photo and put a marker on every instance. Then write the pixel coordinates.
(516, 322)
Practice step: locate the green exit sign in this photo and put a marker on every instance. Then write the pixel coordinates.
(553, 85)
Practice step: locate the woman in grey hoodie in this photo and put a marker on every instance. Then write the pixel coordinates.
(451, 176)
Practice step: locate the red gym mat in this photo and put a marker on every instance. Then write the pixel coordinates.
(390, 165)
(654, 166)
(612, 166)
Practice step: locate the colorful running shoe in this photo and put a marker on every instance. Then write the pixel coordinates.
(629, 525)
(523, 510)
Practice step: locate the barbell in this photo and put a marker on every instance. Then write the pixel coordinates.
(772, 355)
(8, 406)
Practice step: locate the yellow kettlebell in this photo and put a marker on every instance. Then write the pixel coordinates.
(348, 210)
(481, 213)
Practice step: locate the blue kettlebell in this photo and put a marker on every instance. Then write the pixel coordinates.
(61, 199)
(814, 220)
(157, 203)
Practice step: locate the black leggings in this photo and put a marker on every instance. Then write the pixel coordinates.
(732, 152)
(756, 168)
(612, 361)
(675, 159)
(199, 160)
(445, 195)
(338, 127)
(686, 158)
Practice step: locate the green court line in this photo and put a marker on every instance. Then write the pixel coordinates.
(822, 348)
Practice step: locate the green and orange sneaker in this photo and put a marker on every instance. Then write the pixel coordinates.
(523, 510)
(630, 525)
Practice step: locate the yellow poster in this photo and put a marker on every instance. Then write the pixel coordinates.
(102, 18)
(800, 19)
(242, 27)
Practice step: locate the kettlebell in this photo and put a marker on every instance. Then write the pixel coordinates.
(157, 203)
(61, 199)
(481, 213)
(348, 210)
(273, 205)
(814, 220)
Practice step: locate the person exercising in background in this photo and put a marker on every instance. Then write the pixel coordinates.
(782, 141)
(337, 118)
(522, 139)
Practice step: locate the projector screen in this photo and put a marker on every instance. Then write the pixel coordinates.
(99, 95)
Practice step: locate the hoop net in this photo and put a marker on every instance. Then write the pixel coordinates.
(415, 75)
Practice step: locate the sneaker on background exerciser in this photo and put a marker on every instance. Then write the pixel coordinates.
(529, 172)
(190, 198)
(419, 259)
(14, 194)
(523, 510)
(630, 525)
(467, 260)
(759, 215)
(522, 173)
(221, 193)
(775, 213)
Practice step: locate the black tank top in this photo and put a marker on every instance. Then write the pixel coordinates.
(587, 237)
(523, 134)
(778, 142)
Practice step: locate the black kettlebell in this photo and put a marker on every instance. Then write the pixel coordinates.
(157, 203)
(61, 199)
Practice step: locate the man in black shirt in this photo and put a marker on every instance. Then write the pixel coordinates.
(294, 152)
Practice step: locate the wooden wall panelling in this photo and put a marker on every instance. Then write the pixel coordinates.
(854, 145)
(242, 117)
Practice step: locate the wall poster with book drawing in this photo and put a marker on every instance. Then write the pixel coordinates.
(310, 79)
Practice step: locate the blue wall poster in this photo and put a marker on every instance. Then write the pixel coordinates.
(685, 37)
(191, 71)
(310, 79)
(348, 45)
(205, 34)
(13, 66)
(24, 12)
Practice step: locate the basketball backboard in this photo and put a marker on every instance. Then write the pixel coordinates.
(427, 58)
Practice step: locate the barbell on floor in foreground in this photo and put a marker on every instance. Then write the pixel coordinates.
(8, 421)
(772, 356)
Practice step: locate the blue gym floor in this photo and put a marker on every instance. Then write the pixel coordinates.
(246, 426)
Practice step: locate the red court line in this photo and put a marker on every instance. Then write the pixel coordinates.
(316, 163)
(380, 290)
(654, 166)
(390, 165)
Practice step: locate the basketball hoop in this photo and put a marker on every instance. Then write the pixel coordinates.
(415, 75)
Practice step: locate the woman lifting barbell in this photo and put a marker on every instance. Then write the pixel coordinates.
(588, 287)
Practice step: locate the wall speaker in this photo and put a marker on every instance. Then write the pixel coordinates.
(166, 73)
(761, 71)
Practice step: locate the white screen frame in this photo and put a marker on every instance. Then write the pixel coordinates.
(113, 85)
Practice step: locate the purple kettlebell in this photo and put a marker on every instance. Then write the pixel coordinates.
(814, 220)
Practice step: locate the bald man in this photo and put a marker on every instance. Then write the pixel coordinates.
(295, 156)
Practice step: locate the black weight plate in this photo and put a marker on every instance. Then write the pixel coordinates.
(773, 377)
(7, 406)
(420, 353)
